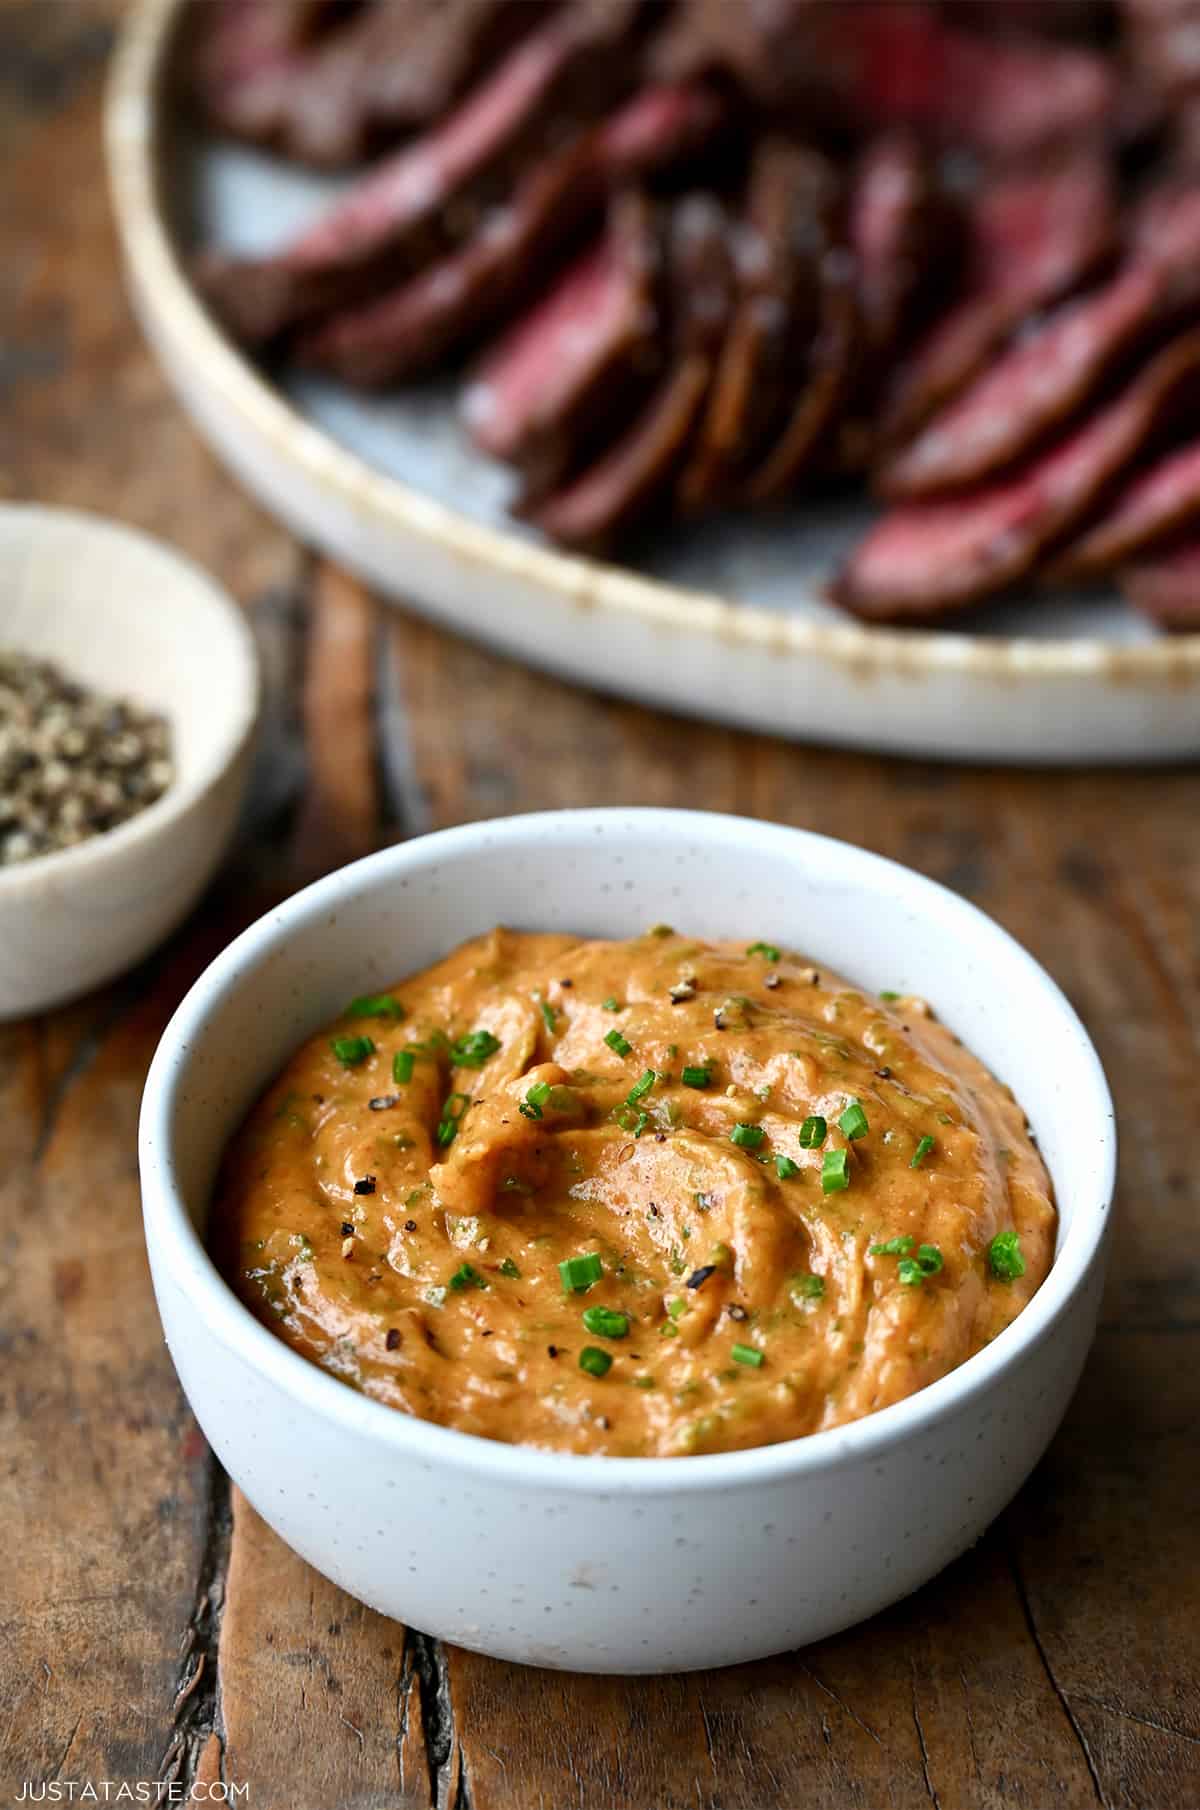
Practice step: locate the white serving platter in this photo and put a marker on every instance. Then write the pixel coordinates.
(725, 622)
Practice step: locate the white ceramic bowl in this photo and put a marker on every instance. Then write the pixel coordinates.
(124, 614)
(602, 1564)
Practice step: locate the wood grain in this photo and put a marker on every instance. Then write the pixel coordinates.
(150, 1625)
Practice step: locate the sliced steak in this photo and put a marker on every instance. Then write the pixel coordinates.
(898, 226)
(241, 53)
(1167, 588)
(781, 247)
(576, 361)
(875, 66)
(396, 219)
(1155, 503)
(1032, 388)
(416, 326)
(396, 66)
(1032, 238)
(627, 479)
(924, 559)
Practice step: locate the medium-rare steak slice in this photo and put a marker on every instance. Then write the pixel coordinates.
(462, 297)
(241, 54)
(575, 361)
(924, 559)
(1032, 388)
(822, 389)
(1166, 588)
(626, 480)
(898, 227)
(396, 219)
(1156, 502)
(873, 65)
(1032, 238)
(789, 226)
(396, 66)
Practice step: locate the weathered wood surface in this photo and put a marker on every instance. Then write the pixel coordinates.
(150, 1626)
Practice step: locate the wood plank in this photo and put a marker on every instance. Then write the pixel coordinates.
(1002, 1681)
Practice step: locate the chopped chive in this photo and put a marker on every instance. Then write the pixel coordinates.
(810, 1287)
(747, 1137)
(535, 1099)
(695, 1077)
(812, 1132)
(888, 994)
(927, 1262)
(595, 1361)
(785, 1168)
(578, 1273)
(375, 1005)
(835, 1171)
(1004, 1257)
(621, 1045)
(631, 1119)
(747, 1354)
(473, 1050)
(854, 1121)
(402, 1066)
(508, 1268)
(768, 951)
(921, 1152)
(895, 1247)
(350, 1051)
(641, 1088)
(677, 1308)
(452, 1111)
(612, 1003)
(466, 1276)
(606, 1322)
(549, 1016)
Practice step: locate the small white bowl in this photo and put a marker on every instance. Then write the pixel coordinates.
(609, 1564)
(128, 617)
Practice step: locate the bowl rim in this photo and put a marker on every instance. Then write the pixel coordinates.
(178, 1248)
(73, 864)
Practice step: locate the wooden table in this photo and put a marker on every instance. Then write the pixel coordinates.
(150, 1625)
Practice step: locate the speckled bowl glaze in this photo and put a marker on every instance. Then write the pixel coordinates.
(601, 1564)
(131, 618)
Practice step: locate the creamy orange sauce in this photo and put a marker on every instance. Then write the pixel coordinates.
(406, 1233)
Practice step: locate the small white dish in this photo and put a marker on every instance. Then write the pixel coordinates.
(611, 1564)
(126, 616)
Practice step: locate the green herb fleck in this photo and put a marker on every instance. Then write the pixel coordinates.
(747, 1354)
(812, 1132)
(535, 1099)
(508, 1268)
(696, 1077)
(621, 1045)
(606, 1322)
(579, 1273)
(927, 1262)
(895, 1247)
(641, 1088)
(1004, 1257)
(473, 1050)
(854, 1121)
(595, 1361)
(768, 951)
(921, 1152)
(747, 1137)
(785, 1168)
(466, 1276)
(402, 1066)
(375, 1005)
(350, 1051)
(835, 1171)
(888, 994)
(549, 1016)
(809, 1288)
(612, 1004)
